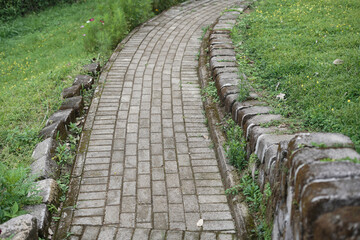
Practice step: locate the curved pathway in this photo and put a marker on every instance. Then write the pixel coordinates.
(149, 171)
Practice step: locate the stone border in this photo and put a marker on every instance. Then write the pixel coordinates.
(310, 185)
(44, 167)
(239, 209)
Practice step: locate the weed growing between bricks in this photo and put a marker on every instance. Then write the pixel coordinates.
(65, 154)
(248, 189)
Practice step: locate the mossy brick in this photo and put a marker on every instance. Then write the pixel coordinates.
(342, 223)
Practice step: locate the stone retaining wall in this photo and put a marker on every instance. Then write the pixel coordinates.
(314, 179)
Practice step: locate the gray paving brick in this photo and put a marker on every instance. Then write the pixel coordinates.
(191, 203)
(115, 182)
(208, 236)
(91, 233)
(130, 174)
(188, 187)
(176, 213)
(107, 233)
(191, 221)
(143, 213)
(91, 195)
(89, 212)
(161, 221)
(128, 204)
(87, 221)
(112, 215)
(144, 181)
(127, 220)
(124, 233)
(144, 196)
(157, 235)
(129, 188)
(141, 234)
(160, 204)
(192, 236)
(113, 197)
(158, 188)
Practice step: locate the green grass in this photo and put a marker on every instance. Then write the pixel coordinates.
(39, 54)
(289, 47)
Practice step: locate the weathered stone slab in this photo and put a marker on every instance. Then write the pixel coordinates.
(221, 41)
(253, 135)
(220, 35)
(311, 168)
(42, 215)
(44, 148)
(270, 158)
(84, 80)
(261, 119)
(54, 130)
(227, 90)
(340, 224)
(75, 103)
(92, 68)
(233, 15)
(226, 79)
(267, 140)
(67, 116)
(71, 91)
(234, 82)
(309, 155)
(227, 22)
(229, 101)
(20, 228)
(221, 46)
(48, 190)
(245, 114)
(322, 140)
(44, 168)
(323, 197)
(220, 62)
(222, 52)
(223, 26)
(241, 105)
(218, 71)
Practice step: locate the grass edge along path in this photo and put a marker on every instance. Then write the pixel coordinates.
(288, 51)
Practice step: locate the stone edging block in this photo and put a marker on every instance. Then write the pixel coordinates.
(20, 228)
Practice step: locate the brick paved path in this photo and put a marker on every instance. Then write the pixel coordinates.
(149, 171)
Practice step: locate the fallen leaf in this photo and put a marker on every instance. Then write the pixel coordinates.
(338, 61)
(206, 137)
(281, 96)
(200, 223)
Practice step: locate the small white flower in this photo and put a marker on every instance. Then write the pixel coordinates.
(87, 21)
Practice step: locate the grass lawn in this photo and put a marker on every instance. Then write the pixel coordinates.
(39, 56)
(289, 47)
